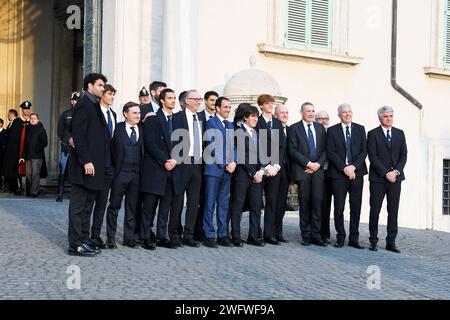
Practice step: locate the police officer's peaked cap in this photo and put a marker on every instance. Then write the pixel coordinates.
(143, 92)
(25, 105)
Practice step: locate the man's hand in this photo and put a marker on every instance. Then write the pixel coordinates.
(272, 171)
(314, 166)
(89, 169)
(149, 114)
(309, 171)
(230, 167)
(350, 171)
(391, 176)
(257, 178)
(170, 164)
(72, 144)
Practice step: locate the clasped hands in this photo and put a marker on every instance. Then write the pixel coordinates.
(312, 167)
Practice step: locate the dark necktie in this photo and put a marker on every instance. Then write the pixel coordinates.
(196, 142)
(110, 123)
(224, 123)
(348, 145)
(169, 122)
(133, 135)
(389, 139)
(311, 144)
(269, 125)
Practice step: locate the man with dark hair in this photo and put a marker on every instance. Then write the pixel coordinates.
(306, 148)
(106, 101)
(89, 161)
(65, 136)
(128, 155)
(151, 108)
(210, 99)
(160, 178)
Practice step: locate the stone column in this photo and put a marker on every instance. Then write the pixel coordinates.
(92, 35)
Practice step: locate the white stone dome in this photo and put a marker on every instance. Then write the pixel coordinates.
(252, 82)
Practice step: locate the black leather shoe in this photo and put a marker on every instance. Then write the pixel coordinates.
(373, 247)
(258, 242)
(177, 243)
(273, 241)
(237, 243)
(305, 243)
(326, 241)
(339, 244)
(191, 243)
(98, 242)
(92, 246)
(355, 244)
(318, 242)
(281, 239)
(110, 244)
(211, 243)
(148, 245)
(59, 199)
(166, 243)
(82, 251)
(129, 243)
(224, 242)
(392, 248)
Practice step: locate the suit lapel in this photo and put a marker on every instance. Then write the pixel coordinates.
(164, 126)
(303, 132)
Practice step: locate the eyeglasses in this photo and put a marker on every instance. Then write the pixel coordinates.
(323, 118)
(196, 99)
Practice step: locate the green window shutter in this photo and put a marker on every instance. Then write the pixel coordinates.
(309, 23)
(447, 34)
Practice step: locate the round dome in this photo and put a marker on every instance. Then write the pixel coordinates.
(251, 82)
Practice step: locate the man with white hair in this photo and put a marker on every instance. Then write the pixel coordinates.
(387, 151)
(347, 152)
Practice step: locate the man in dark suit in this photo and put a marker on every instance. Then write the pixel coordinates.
(282, 114)
(88, 162)
(209, 99)
(189, 142)
(3, 137)
(101, 200)
(128, 156)
(270, 130)
(160, 179)
(387, 151)
(150, 109)
(217, 174)
(347, 152)
(306, 148)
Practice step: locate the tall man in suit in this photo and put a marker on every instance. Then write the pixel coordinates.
(270, 128)
(191, 155)
(88, 162)
(160, 179)
(306, 147)
(101, 200)
(386, 146)
(217, 174)
(209, 99)
(128, 156)
(150, 109)
(3, 137)
(347, 152)
(282, 114)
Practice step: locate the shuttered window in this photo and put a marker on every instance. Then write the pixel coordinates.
(309, 23)
(447, 34)
(446, 188)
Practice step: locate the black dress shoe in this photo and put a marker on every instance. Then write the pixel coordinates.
(256, 242)
(305, 243)
(318, 242)
(392, 248)
(273, 241)
(373, 247)
(110, 244)
(129, 243)
(224, 242)
(281, 239)
(98, 242)
(191, 243)
(166, 243)
(148, 245)
(59, 199)
(355, 244)
(210, 243)
(339, 244)
(238, 244)
(82, 251)
(92, 246)
(177, 243)
(326, 240)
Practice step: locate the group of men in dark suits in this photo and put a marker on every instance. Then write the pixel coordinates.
(157, 156)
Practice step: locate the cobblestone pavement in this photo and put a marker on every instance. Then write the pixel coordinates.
(34, 265)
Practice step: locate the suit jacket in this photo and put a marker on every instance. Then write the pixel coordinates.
(3, 137)
(90, 135)
(145, 108)
(336, 151)
(284, 150)
(218, 169)
(118, 146)
(298, 149)
(180, 121)
(246, 168)
(276, 125)
(384, 159)
(158, 149)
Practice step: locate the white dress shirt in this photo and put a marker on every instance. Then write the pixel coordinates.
(385, 131)
(104, 110)
(190, 121)
(128, 129)
(154, 105)
(221, 120)
(208, 115)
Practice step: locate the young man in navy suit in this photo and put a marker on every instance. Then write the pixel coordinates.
(387, 151)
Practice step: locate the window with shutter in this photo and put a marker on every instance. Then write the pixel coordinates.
(447, 34)
(309, 23)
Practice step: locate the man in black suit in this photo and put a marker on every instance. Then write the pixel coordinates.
(282, 114)
(88, 162)
(150, 109)
(101, 200)
(346, 152)
(190, 145)
(3, 137)
(128, 156)
(160, 179)
(387, 151)
(306, 148)
(270, 129)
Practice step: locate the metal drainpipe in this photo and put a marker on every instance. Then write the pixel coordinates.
(394, 83)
